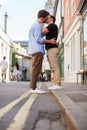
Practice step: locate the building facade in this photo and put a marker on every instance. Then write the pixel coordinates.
(23, 44)
(83, 11)
(49, 6)
(73, 40)
(24, 60)
(5, 50)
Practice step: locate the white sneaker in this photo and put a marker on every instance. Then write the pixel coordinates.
(37, 91)
(54, 87)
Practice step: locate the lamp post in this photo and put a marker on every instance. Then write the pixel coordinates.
(5, 22)
(2, 2)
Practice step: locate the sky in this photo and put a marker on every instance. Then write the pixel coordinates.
(21, 15)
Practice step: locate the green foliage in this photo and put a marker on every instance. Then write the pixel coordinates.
(14, 58)
(61, 59)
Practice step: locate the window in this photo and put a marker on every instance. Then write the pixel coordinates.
(73, 5)
(6, 53)
(85, 40)
(2, 50)
(73, 54)
(67, 13)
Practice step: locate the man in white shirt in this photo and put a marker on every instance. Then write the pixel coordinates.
(4, 66)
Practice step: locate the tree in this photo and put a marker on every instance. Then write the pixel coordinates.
(14, 58)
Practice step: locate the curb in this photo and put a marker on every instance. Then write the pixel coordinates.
(75, 117)
(68, 120)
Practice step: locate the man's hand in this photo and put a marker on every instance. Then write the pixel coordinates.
(44, 31)
(53, 41)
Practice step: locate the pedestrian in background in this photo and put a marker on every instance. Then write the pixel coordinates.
(16, 71)
(36, 48)
(4, 66)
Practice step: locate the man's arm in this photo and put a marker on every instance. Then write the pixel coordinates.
(46, 41)
(44, 31)
(52, 41)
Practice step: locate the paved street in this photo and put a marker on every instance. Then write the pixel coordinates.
(11, 91)
(20, 110)
(24, 111)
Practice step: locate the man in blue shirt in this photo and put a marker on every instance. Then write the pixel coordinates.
(36, 48)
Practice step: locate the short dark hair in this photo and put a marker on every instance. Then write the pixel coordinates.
(53, 17)
(17, 65)
(4, 57)
(43, 13)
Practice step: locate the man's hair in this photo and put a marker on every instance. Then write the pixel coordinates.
(4, 57)
(43, 13)
(54, 19)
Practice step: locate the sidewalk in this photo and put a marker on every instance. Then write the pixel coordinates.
(72, 99)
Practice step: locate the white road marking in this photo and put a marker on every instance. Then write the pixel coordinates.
(7, 108)
(20, 118)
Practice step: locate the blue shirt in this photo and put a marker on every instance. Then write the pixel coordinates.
(36, 39)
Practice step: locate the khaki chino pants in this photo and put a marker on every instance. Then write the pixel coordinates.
(54, 65)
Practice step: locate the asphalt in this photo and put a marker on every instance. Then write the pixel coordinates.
(72, 99)
(21, 110)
